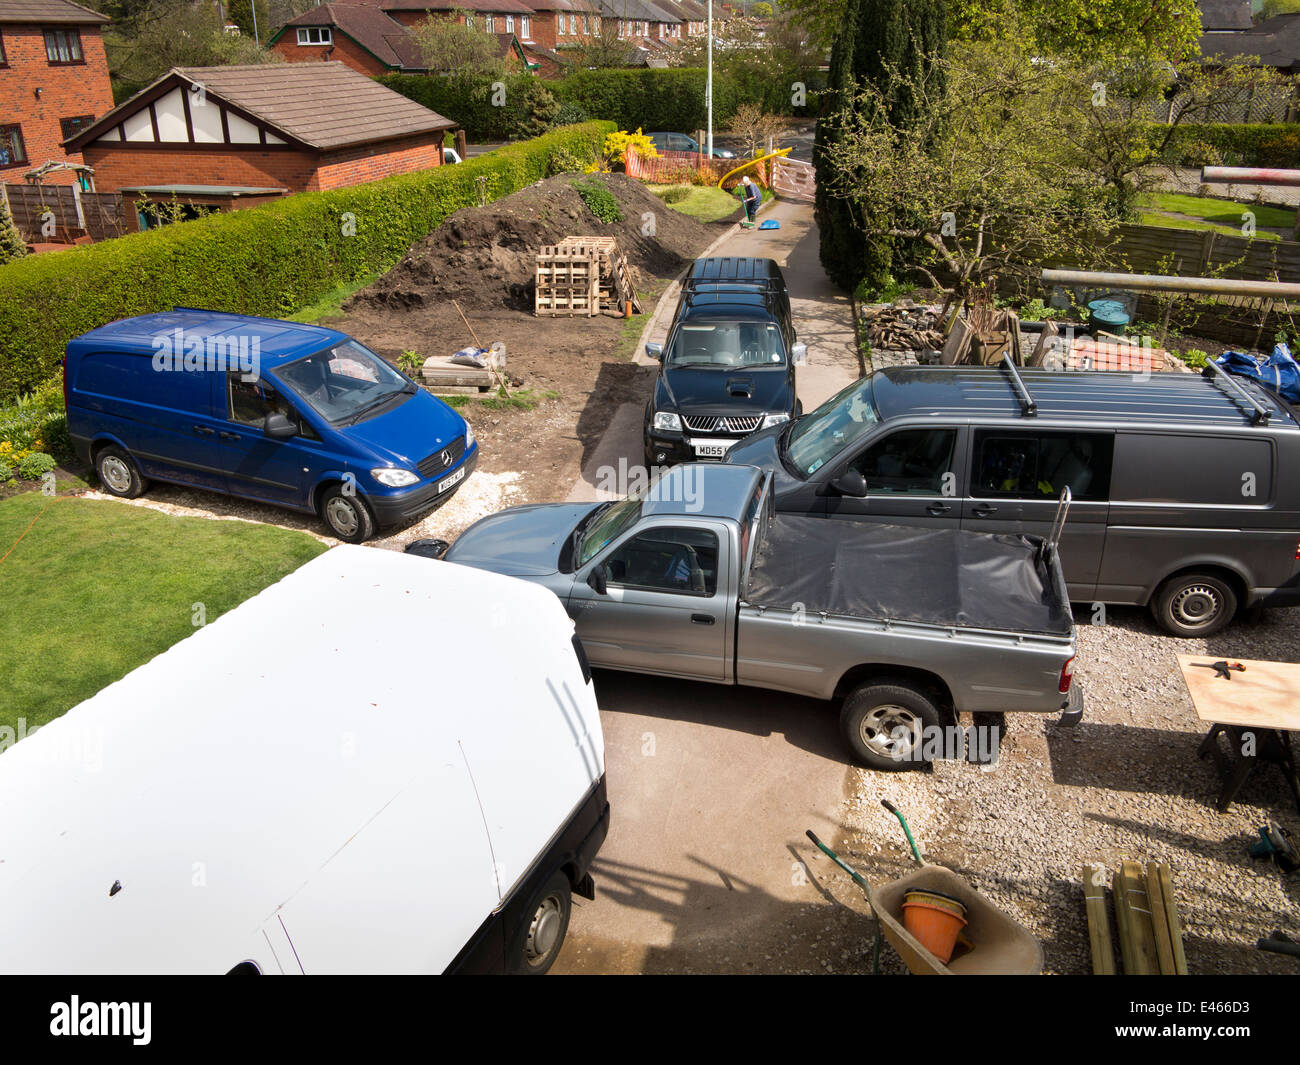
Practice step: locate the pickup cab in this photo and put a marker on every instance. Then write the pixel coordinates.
(901, 627)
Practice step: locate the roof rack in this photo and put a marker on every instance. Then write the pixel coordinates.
(1261, 413)
(1028, 405)
(769, 284)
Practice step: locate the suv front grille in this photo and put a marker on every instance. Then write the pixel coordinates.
(731, 423)
(442, 460)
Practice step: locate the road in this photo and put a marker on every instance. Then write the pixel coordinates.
(711, 787)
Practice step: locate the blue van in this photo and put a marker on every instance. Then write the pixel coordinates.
(292, 415)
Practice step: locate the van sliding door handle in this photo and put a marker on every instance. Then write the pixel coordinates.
(203, 430)
(229, 436)
(938, 508)
(984, 510)
(703, 619)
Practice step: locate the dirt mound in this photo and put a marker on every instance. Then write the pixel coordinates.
(486, 257)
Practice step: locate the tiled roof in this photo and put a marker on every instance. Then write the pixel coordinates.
(383, 37)
(321, 105)
(489, 7)
(48, 11)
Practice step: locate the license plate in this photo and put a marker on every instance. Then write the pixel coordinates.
(711, 449)
(455, 478)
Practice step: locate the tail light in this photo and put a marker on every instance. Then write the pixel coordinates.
(1297, 548)
(1067, 675)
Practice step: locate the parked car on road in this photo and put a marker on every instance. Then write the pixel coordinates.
(1186, 489)
(292, 415)
(901, 628)
(288, 790)
(679, 142)
(728, 368)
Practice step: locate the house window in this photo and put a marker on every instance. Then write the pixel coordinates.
(12, 150)
(63, 46)
(469, 22)
(70, 127)
(489, 23)
(584, 23)
(523, 26)
(595, 24)
(315, 35)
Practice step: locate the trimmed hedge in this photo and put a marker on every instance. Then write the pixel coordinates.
(268, 260)
(649, 99)
(1237, 144)
(468, 101)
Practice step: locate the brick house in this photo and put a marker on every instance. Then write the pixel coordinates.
(378, 37)
(231, 136)
(361, 35)
(560, 24)
(53, 82)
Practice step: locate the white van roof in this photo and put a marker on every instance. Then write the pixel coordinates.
(347, 772)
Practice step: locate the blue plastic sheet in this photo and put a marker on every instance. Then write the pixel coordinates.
(1279, 373)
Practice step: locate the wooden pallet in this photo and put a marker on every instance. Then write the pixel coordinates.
(583, 276)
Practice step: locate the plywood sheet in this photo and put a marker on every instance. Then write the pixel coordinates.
(1267, 695)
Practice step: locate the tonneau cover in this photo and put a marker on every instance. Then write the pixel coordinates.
(934, 576)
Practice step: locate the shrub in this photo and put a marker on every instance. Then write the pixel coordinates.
(599, 200)
(267, 260)
(411, 362)
(570, 114)
(618, 142)
(1236, 143)
(35, 466)
(6, 472)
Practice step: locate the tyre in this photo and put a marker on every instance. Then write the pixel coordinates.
(346, 516)
(118, 473)
(541, 934)
(885, 725)
(1194, 604)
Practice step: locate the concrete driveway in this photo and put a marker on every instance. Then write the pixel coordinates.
(712, 787)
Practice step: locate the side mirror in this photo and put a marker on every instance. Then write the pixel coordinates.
(655, 351)
(278, 427)
(799, 353)
(596, 580)
(850, 483)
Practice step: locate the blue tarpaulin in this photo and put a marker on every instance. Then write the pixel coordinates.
(1279, 373)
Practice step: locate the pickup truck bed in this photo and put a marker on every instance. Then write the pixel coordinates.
(943, 577)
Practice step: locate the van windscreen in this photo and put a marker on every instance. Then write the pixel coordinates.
(345, 382)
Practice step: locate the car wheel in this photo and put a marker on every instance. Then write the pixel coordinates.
(542, 930)
(1194, 604)
(346, 516)
(885, 725)
(118, 473)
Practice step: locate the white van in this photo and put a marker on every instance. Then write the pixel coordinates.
(374, 766)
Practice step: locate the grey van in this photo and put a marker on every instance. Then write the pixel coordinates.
(1186, 488)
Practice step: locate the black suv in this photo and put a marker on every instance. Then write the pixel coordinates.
(728, 368)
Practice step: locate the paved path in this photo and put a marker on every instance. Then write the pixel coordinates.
(712, 787)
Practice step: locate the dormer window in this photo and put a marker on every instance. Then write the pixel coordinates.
(315, 35)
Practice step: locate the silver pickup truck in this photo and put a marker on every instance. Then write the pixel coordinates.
(903, 627)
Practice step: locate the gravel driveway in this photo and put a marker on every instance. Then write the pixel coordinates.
(1124, 784)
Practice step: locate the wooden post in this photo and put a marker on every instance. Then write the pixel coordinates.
(76, 201)
(1094, 894)
(1160, 921)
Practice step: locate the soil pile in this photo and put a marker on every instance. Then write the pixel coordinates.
(486, 257)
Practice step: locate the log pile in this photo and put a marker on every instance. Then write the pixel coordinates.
(903, 326)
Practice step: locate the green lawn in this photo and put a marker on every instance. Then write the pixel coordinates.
(1204, 212)
(707, 203)
(95, 588)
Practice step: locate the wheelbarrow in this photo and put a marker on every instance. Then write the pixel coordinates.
(990, 944)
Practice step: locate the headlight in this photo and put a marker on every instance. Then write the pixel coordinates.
(469, 436)
(394, 477)
(775, 419)
(666, 419)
